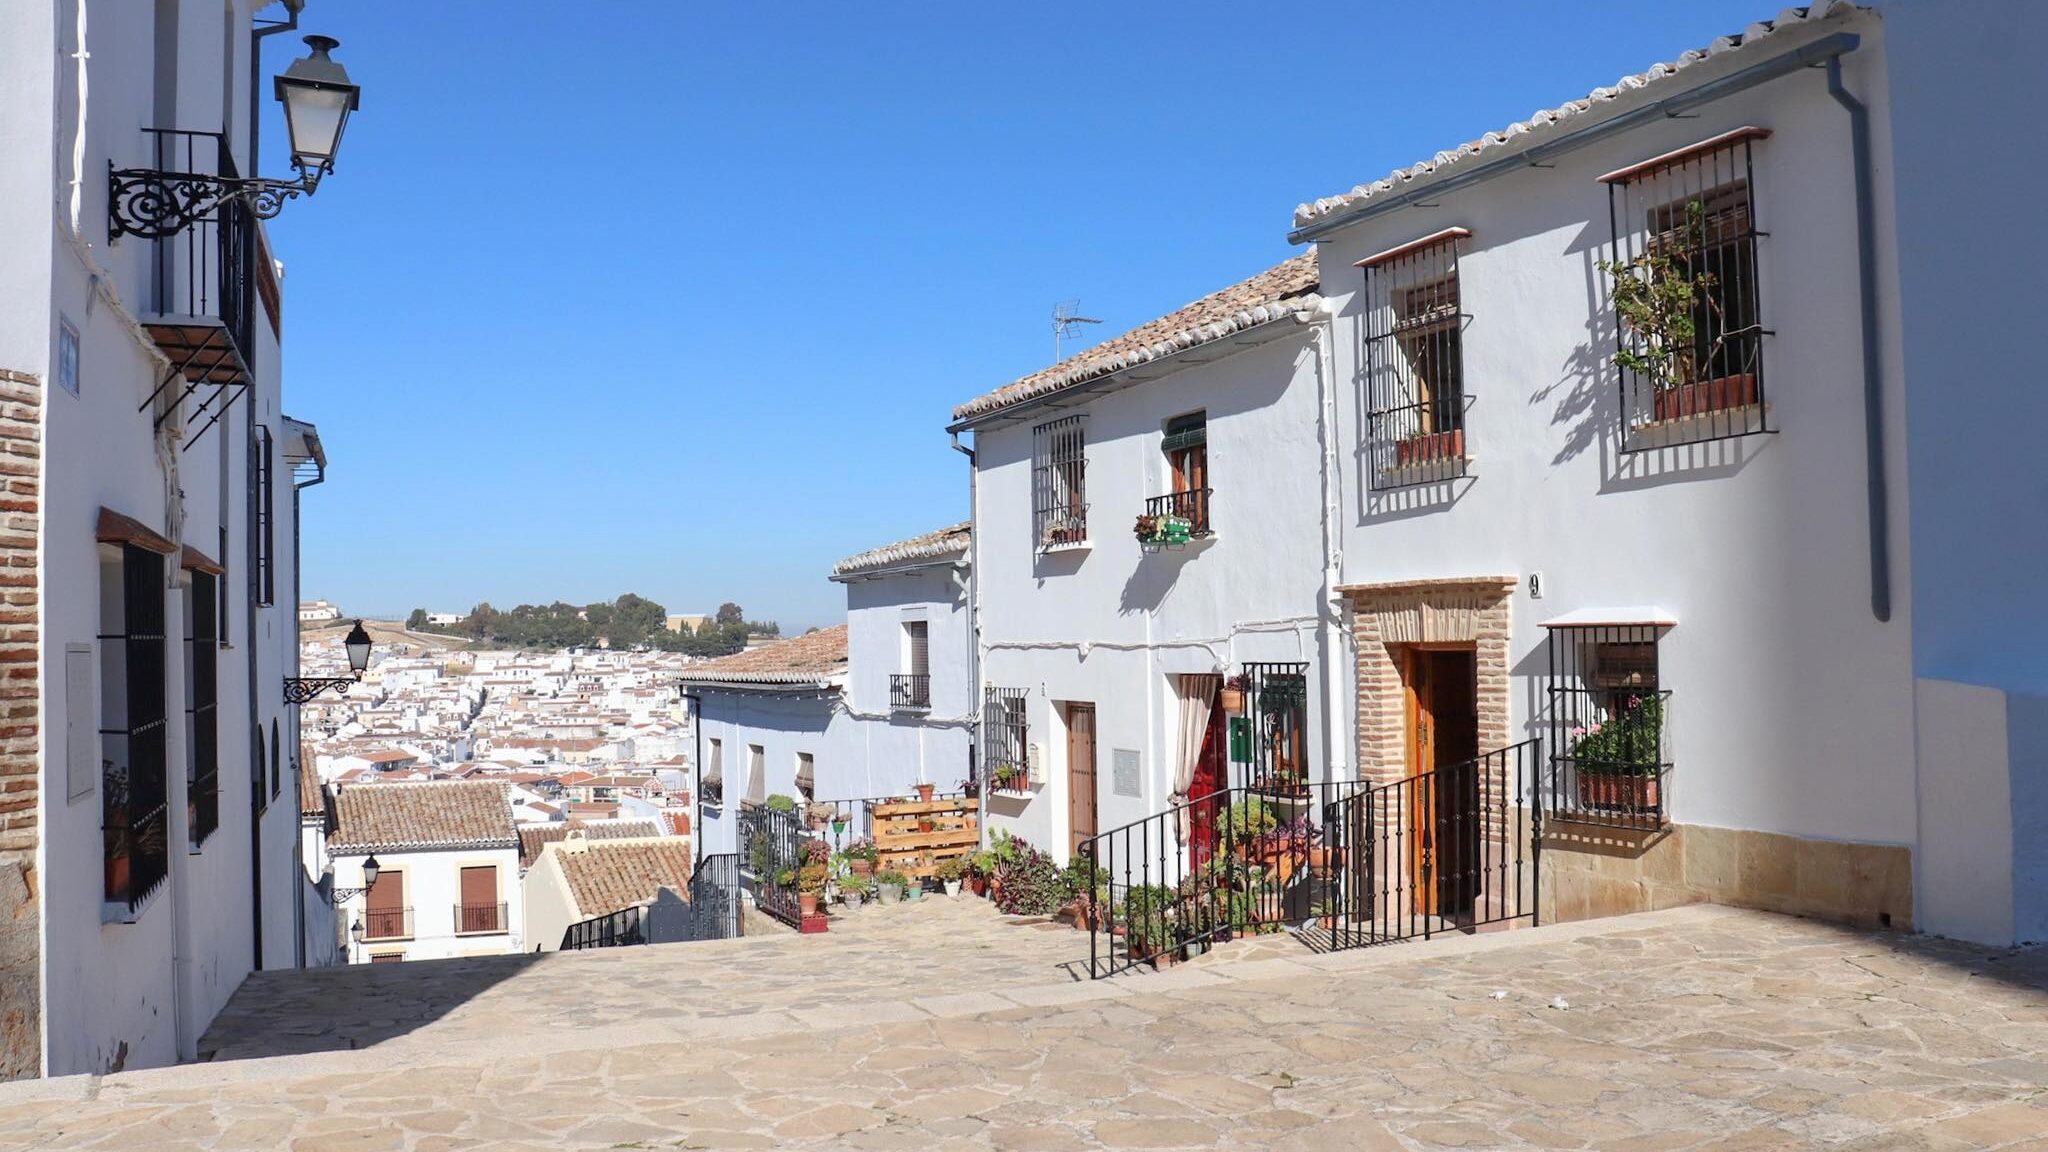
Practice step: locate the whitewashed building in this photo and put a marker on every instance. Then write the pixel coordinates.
(151, 528)
(447, 877)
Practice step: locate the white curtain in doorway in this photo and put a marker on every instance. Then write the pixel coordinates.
(1197, 696)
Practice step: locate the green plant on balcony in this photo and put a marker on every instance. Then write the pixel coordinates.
(1619, 760)
(1661, 301)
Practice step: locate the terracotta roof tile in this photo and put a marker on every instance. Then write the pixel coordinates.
(945, 542)
(1277, 292)
(813, 658)
(427, 816)
(535, 837)
(606, 876)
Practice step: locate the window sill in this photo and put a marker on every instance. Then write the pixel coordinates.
(1192, 544)
(1070, 546)
(486, 932)
(112, 912)
(918, 709)
(387, 939)
(1426, 471)
(1735, 420)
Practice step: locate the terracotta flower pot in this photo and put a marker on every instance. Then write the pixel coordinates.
(1231, 700)
(1430, 447)
(978, 884)
(924, 791)
(807, 903)
(1613, 791)
(1704, 396)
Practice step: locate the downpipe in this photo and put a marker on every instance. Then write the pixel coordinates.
(974, 637)
(1873, 374)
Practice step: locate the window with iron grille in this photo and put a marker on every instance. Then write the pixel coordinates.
(202, 720)
(1276, 708)
(1689, 323)
(1415, 362)
(757, 774)
(259, 797)
(133, 757)
(1005, 739)
(266, 518)
(276, 762)
(1059, 490)
(1609, 753)
(1182, 515)
(713, 780)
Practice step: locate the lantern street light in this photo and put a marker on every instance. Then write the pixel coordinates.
(370, 870)
(298, 690)
(318, 99)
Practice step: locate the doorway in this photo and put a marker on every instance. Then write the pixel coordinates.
(1441, 796)
(1080, 774)
(1212, 776)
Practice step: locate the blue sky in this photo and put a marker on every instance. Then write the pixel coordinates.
(676, 298)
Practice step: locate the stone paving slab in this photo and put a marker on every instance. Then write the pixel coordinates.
(1692, 1029)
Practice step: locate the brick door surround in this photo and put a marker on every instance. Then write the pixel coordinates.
(1472, 610)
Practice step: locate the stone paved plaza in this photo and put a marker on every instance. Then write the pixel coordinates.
(942, 1026)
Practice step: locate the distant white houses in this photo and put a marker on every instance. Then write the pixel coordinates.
(447, 870)
(317, 612)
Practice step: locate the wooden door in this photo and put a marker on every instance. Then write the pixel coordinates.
(479, 911)
(1080, 774)
(1440, 800)
(1212, 775)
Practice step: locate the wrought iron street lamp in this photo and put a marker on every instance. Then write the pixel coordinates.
(318, 99)
(370, 870)
(298, 690)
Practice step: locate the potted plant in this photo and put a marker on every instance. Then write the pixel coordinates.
(1326, 915)
(924, 791)
(810, 887)
(950, 871)
(1231, 698)
(889, 886)
(861, 857)
(1150, 928)
(856, 889)
(1029, 882)
(1429, 447)
(818, 815)
(980, 867)
(1660, 301)
(780, 803)
(1619, 760)
(1147, 529)
(1080, 883)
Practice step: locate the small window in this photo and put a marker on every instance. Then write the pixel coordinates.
(1059, 488)
(1276, 707)
(1005, 744)
(913, 688)
(67, 357)
(202, 722)
(1689, 322)
(265, 450)
(133, 756)
(1610, 759)
(806, 778)
(757, 782)
(1182, 513)
(713, 780)
(1415, 362)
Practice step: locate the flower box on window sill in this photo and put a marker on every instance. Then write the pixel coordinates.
(1015, 783)
(1618, 792)
(1703, 397)
(1430, 448)
(1065, 541)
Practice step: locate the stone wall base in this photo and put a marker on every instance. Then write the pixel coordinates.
(21, 980)
(1591, 871)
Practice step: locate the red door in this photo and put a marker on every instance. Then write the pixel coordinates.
(1212, 774)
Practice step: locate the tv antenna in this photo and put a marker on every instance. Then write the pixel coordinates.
(1066, 321)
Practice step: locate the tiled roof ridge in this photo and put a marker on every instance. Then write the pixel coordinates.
(941, 542)
(1278, 292)
(1548, 120)
(812, 658)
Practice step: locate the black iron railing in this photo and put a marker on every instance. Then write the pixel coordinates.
(1415, 364)
(1276, 725)
(1059, 482)
(1341, 863)
(771, 851)
(480, 918)
(715, 898)
(1005, 739)
(1610, 750)
(1175, 519)
(387, 924)
(134, 814)
(910, 690)
(209, 269)
(615, 930)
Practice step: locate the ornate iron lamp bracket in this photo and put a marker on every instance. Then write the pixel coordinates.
(155, 205)
(298, 690)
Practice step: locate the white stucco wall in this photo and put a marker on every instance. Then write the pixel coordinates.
(1111, 624)
(1789, 704)
(433, 887)
(905, 746)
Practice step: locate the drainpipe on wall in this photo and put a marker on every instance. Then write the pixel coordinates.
(1873, 374)
(696, 780)
(1328, 618)
(974, 638)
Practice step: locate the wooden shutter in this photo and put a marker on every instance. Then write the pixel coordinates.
(479, 886)
(757, 786)
(387, 894)
(920, 648)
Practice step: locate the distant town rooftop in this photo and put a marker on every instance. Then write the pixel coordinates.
(423, 817)
(815, 659)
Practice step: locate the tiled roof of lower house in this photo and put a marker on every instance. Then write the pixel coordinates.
(441, 814)
(813, 658)
(948, 541)
(535, 837)
(608, 875)
(1277, 292)
(1565, 117)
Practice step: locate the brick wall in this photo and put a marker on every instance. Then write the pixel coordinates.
(1385, 616)
(21, 419)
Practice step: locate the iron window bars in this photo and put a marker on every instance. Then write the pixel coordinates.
(1059, 489)
(202, 720)
(1005, 739)
(1182, 515)
(1684, 227)
(480, 919)
(712, 782)
(910, 690)
(133, 820)
(1276, 712)
(1610, 757)
(1415, 362)
(387, 923)
(264, 449)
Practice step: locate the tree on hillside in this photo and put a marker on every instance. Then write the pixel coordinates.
(730, 613)
(482, 621)
(417, 620)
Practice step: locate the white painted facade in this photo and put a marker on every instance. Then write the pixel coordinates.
(433, 890)
(1112, 625)
(121, 989)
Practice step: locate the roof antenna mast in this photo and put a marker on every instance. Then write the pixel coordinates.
(1066, 320)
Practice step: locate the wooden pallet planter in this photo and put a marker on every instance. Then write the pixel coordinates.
(905, 847)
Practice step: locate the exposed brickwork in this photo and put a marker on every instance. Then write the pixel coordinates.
(1385, 616)
(21, 449)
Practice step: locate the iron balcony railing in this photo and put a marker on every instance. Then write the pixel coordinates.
(1343, 864)
(771, 851)
(1173, 520)
(479, 919)
(387, 924)
(910, 690)
(626, 926)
